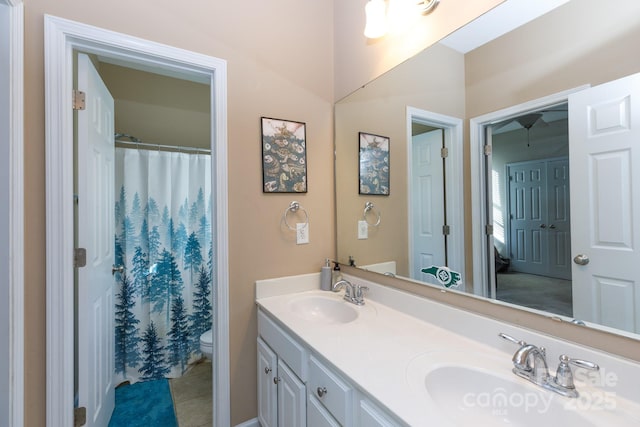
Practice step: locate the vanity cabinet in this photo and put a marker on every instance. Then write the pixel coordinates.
(281, 373)
(298, 388)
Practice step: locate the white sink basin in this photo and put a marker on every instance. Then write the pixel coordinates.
(326, 310)
(470, 389)
(473, 397)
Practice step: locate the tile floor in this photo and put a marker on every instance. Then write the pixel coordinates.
(192, 396)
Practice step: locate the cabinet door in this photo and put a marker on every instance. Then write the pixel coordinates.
(317, 416)
(292, 408)
(267, 386)
(373, 416)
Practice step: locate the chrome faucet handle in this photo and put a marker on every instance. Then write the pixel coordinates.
(564, 375)
(509, 338)
(358, 292)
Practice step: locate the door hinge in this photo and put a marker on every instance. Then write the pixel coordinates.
(446, 230)
(488, 229)
(444, 152)
(79, 257)
(487, 150)
(79, 416)
(79, 100)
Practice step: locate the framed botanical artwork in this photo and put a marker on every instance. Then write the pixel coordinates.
(284, 156)
(374, 164)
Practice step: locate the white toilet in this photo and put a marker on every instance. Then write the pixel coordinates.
(206, 344)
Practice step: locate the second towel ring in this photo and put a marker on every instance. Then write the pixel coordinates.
(295, 207)
(369, 207)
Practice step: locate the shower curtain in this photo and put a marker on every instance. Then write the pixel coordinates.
(164, 241)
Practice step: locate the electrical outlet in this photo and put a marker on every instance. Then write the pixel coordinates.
(363, 230)
(302, 233)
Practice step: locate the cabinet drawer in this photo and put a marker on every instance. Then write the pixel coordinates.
(335, 394)
(288, 349)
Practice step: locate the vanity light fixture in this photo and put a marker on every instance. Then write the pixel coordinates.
(376, 26)
(376, 15)
(427, 6)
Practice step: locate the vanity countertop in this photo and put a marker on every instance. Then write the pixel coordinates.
(386, 350)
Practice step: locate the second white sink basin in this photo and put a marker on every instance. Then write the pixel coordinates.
(474, 397)
(463, 389)
(326, 310)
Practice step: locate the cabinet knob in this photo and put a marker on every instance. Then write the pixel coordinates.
(276, 380)
(321, 391)
(267, 370)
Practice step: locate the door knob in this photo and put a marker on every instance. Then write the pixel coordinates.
(119, 269)
(581, 259)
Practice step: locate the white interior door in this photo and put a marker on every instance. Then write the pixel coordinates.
(604, 129)
(528, 207)
(559, 219)
(95, 183)
(427, 203)
(539, 221)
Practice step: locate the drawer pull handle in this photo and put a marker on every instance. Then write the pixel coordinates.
(321, 391)
(267, 370)
(276, 380)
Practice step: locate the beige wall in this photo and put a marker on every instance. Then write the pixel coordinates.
(278, 67)
(359, 60)
(380, 108)
(158, 109)
(572, 46)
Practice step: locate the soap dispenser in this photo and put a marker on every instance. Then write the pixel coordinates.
(336, 274)
(325, 276)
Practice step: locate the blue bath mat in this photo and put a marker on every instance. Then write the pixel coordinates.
(144, 404)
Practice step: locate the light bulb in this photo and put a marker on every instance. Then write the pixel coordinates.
(376, 25)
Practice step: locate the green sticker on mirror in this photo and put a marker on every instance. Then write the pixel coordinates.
(445, 277)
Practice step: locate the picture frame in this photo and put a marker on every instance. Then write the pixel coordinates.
(373, 157)
(284, 156)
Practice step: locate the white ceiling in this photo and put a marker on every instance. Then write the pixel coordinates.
(498, 21)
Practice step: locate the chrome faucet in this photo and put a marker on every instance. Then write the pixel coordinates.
(529, 362)
(354, 293)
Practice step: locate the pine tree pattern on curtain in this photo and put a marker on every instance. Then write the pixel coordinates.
(164, 240)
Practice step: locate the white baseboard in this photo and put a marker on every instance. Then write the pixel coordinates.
(250, 423)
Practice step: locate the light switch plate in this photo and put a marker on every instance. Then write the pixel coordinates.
(302, 233)
(363, 230)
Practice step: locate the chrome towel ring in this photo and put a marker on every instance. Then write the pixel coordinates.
(295, 207)
(369, 207)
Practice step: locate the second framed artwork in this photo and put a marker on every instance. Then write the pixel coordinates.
(284, 156)
(374, 164)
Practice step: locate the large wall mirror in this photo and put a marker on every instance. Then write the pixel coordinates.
(501, 216)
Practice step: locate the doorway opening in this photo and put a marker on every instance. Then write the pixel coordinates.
(63, 39)
(435, 199)
(159, 242)
(531, 210)
(522, 244)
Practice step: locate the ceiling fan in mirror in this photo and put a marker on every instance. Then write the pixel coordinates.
(527, 121)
